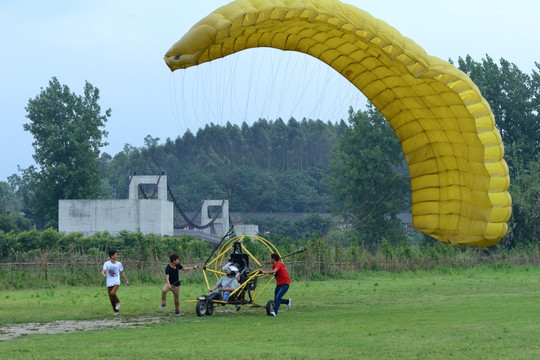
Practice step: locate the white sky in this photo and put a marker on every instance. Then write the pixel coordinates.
(118, 46)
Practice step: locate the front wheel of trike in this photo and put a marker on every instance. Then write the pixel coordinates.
(201, 307)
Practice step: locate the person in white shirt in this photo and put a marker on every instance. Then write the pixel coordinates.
(112, 269)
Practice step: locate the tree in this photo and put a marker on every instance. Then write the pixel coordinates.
(365, 179)
(514, 98)
(8, 199)
(68, 133)
(525, 225)
(12, 195)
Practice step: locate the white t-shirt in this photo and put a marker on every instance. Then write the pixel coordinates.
(113, 272)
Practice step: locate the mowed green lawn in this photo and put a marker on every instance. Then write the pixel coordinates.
(481, 313)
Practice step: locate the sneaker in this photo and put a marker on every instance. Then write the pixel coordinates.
(273, 314)
(162, 306)
(238, 307)
(117, 306)
(289, 304)
(177, 313)
(116, 313)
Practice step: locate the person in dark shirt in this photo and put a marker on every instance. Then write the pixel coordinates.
(172, 282)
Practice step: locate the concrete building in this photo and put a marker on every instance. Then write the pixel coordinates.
(150, 216)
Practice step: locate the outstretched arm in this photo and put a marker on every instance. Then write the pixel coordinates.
(273, 271)
(186, 268)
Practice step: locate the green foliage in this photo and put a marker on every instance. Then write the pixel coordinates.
(14, 222)
(67, 137)
(58, 259)
(525, 224)
(10, 216)
(267, 167)
(8, 199)
(369, 178)
(386, 249)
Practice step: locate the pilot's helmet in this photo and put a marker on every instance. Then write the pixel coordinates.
(233, 269)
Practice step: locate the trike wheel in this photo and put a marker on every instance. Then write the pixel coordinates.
(269, 307)
(202, 307)
(209, 308)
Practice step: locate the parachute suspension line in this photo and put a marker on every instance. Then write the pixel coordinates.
(266, 91)
(199, 112)
(375, 209)
(191, 96)
(247, 101)
(235, 100)
(229, 233)
(225, 77)
(286, 85)
(328, 87)
(174, 105)
(282, 88)
(182, 101)
(300, 100)
(273, 84)
(286, 256)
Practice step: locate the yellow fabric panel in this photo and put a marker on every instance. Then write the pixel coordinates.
(459, 179)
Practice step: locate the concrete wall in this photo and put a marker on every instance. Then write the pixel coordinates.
(246, 229)
(221, 225)
(92, 216)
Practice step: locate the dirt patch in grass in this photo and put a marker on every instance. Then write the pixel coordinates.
(12, 331)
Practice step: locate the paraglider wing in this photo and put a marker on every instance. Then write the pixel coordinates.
(459, 178)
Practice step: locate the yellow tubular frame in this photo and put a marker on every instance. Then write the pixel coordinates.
(214, 266)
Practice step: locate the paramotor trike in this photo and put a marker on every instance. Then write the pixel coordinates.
(233, 252)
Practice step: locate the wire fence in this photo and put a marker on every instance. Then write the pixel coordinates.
(52, 271)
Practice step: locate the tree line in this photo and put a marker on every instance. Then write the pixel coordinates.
(269, 166)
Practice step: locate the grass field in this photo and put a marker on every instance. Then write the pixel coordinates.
(489, 312)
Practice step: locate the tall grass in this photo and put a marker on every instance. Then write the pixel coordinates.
(48, 259)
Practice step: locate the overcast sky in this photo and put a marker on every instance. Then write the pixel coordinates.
(118, 46)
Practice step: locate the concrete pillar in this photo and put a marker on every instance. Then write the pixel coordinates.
(159, 180)
(221, 225)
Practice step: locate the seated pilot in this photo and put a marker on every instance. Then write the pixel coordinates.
(226, 285)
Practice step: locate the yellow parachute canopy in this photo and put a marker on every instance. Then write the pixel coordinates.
(459, 178)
